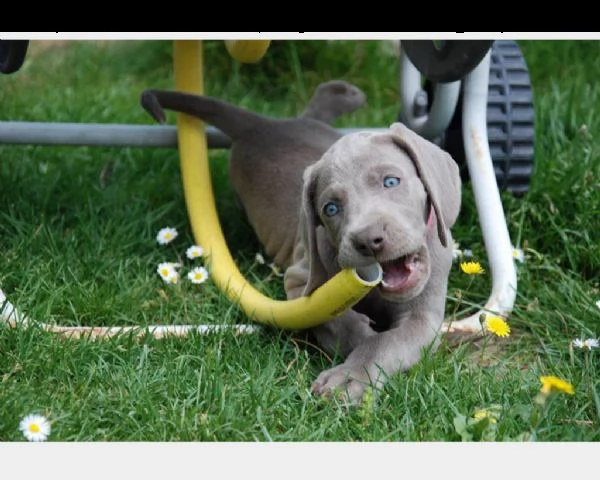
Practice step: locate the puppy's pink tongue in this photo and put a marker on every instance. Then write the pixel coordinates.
(397, 272)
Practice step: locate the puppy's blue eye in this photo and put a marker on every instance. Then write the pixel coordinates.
(389, 182)
(330, 209)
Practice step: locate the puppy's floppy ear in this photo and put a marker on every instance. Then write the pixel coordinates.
(438, 172)
(309, 222)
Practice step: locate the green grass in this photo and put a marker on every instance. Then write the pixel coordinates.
(78, 252)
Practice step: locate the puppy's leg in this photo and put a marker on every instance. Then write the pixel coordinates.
(379, 356)
(342, 334)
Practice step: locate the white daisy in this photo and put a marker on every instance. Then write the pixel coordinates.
(166, 235)
(168, 272)
(198, 275)
(194, 251)
(592, 343)
(35, 428)
(588, 343)
(518, 254)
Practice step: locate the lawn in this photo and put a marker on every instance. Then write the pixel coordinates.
(78, 230)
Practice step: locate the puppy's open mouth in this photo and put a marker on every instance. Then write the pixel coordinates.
(399, 274)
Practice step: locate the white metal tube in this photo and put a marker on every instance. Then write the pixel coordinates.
(10, 316)
(487, 198)
(8, 313)
(445, 99)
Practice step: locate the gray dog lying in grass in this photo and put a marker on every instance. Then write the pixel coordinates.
(320, 202)
(268, 156)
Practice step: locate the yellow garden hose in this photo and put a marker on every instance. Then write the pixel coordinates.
(339, 293)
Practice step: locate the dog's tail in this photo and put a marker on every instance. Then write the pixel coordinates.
(231, 120)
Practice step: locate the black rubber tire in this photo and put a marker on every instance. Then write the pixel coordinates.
(12, 55)
(510, 121)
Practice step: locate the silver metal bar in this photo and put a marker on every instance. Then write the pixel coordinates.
(109, 135)
(98, 135)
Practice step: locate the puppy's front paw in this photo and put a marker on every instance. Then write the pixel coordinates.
(346, 381)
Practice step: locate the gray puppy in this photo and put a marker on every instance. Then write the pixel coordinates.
(320, 202)
(389, 198)
(268, 156)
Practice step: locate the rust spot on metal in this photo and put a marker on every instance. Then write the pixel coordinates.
(477, 144)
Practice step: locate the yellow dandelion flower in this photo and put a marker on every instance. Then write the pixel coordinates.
(550, 383)
(496, 325)
(472, 268)
(482, 413)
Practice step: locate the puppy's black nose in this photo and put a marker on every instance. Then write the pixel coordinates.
(368, 246)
